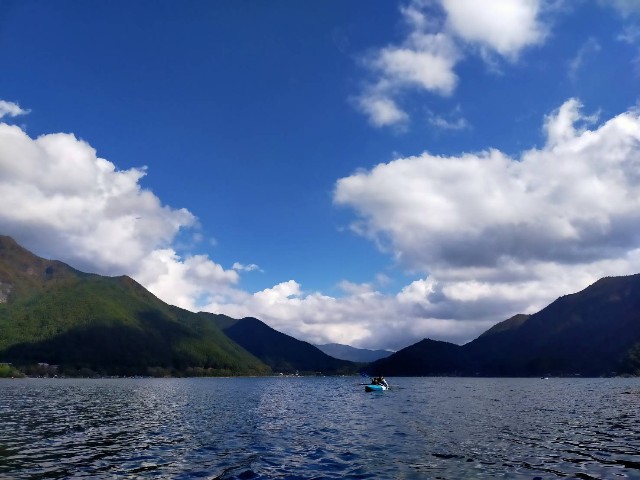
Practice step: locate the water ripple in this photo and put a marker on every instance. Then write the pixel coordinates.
(319, 428)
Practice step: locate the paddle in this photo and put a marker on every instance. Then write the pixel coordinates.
(366, 375)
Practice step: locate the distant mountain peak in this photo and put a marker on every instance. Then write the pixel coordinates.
(280, 351)
(353, 354)
(22, 273)
(510, 324)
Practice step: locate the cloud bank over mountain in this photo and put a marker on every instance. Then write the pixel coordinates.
(490, 235)
(64, 202)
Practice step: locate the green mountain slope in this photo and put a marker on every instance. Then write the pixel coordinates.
(51, 313)
(281, 352)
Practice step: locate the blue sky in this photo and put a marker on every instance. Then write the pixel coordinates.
(370, 173)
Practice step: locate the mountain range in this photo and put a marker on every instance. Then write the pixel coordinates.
(281, 352)
(594, 332)
(87, 324)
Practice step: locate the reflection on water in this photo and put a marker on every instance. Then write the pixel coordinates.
(246, 428)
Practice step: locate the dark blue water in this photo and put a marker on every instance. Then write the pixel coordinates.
(246, 428)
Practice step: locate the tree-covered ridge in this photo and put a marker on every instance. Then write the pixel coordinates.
(52, 313)
(281, 352)
(23, 274)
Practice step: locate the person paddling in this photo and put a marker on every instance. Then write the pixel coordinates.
(380, 381)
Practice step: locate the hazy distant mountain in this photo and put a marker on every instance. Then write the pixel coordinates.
(594, 332)
(52, 313)
(281, 352)
(347, 352)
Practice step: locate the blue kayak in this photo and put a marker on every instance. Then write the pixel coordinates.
(374, 388)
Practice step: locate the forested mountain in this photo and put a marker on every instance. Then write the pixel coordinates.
(281, 352)
(52, 313)
(593, 332)
(85, 323)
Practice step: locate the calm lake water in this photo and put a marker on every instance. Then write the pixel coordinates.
(259, 428)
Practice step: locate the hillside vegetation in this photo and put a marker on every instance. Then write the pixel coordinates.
(86, 324)
(281, 352)
(52, 313)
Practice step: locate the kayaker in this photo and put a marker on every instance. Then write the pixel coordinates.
(380, 381)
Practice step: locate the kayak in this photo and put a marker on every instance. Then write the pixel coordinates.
(374, 388)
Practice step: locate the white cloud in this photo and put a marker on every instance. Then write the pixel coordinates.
(454, 121)
(252, 267)
(11, 109)
(426, 61)
(503, 26)
(187, 283)
(439, 35)
(561, 200)
(61, 200)
(382, 111)
(355, 288)
(500, 235)
(363, 317)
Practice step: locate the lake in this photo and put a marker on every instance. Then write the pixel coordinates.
(323, 427)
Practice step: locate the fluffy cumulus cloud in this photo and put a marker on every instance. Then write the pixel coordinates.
(503, 26)
(439, 34)
(574, 200)
(453, 311)
(363, 317)
(381, 110)
(63, 201)
(499, 235)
